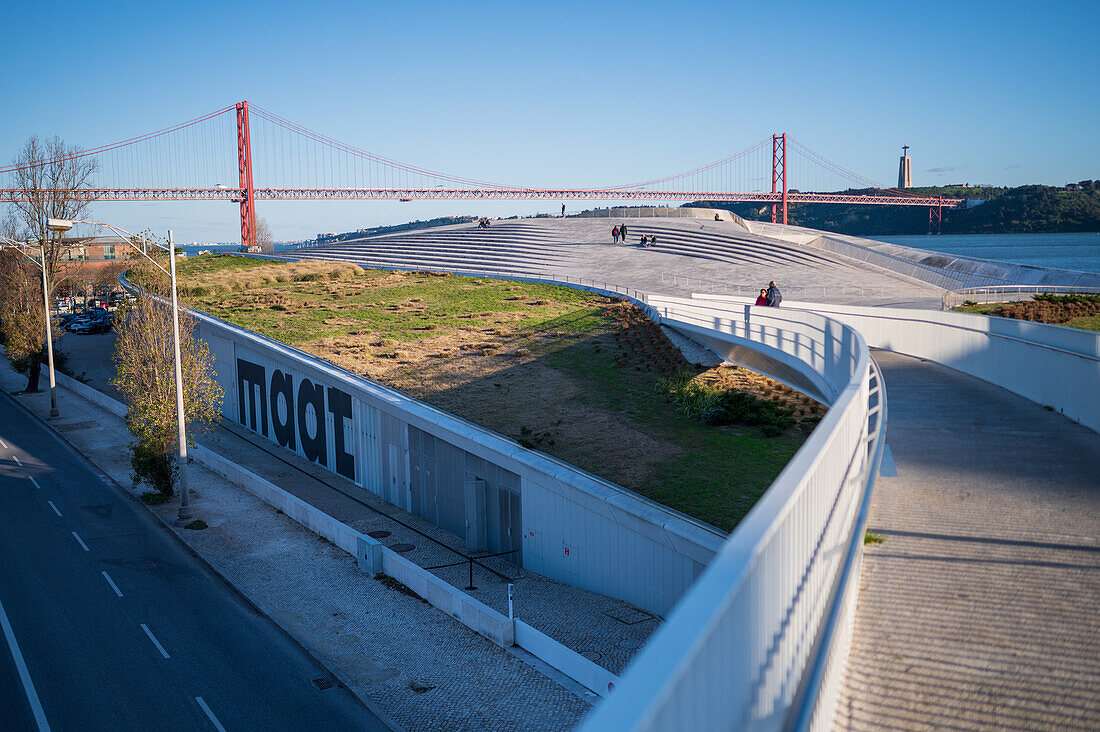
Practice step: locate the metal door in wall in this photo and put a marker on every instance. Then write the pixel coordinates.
(511, 525)
(438, 481)
(423, 480)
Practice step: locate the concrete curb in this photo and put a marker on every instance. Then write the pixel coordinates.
(178, 537)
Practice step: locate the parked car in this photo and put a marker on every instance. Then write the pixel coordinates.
(87, 315)
(95, 324)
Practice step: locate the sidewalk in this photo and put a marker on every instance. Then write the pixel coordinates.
(605, 630)
(979, 608)
(402, 656)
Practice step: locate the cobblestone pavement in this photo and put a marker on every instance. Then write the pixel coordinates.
(603, 629)
(582, 620)
(981, 608)
(402, 656)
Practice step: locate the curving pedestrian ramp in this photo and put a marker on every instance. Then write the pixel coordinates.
(979, 608)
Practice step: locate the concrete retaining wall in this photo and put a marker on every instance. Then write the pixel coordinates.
(734, 652)
(374, 558)
(95, 397)
(590, 675)
(470, 612)
(564, 523)
(1049, 364)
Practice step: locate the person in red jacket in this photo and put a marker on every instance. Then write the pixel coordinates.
(762, 298)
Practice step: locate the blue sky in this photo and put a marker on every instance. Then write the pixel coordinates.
(569, 94)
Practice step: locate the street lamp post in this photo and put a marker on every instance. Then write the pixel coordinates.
(186, 515)
(46, 304)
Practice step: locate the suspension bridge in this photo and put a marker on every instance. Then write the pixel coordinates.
(189, 162)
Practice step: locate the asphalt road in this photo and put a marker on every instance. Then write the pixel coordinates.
(118, 626)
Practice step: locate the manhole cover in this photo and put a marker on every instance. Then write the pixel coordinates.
(323, 683)
(402, 547)
(628, 615)
(378, 534)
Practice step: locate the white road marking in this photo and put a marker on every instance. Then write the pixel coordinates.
(24, 675)
(16, 459)
(155, 641)
(81, 542)
(3, 444)
(110, 581)
(213, 720)
(54, 508)
(35, 482)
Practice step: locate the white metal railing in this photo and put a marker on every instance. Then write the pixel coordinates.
(760, 639)
(1009, 293)
(815, 705)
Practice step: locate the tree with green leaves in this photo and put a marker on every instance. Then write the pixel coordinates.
(22, 314)
(144, 361)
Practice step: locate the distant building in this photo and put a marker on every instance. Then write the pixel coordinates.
(905, 169)
(95, 249)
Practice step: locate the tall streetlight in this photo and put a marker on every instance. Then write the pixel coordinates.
(185, 513)
(21, 246)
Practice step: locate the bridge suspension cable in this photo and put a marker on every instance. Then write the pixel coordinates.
(193, 161)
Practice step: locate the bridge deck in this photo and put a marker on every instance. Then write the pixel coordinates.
(980, 608)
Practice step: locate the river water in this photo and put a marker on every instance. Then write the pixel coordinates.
(1063, 251)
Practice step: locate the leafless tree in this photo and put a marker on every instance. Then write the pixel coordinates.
(49, 173)
(264, 240)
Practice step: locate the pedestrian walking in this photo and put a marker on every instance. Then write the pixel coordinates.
(762, 298)
(773, 294)
(615, 235)
(622, 232)
(563, 210)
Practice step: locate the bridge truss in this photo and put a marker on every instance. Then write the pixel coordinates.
(289, 152)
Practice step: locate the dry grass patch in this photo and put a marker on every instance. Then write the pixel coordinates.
(238, 279)
(571, 374)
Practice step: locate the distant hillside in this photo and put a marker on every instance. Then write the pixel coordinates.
(1028, 209)
(411, 226)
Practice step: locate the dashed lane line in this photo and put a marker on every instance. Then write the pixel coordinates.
(24, 674)
(16, 459)
(213, 720)
(155, 641)
(54, 508)
(110, 581)
(3, 444)
(35, 482)
(81, 542)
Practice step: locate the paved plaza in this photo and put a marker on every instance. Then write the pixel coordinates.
(978, 610)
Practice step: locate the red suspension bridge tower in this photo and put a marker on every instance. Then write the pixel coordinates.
(180, 162)
(779, 161)
(244, 164)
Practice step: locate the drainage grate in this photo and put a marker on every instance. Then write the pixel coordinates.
(323, 683)
(378, 534)
(628, 615)
(402, 547)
